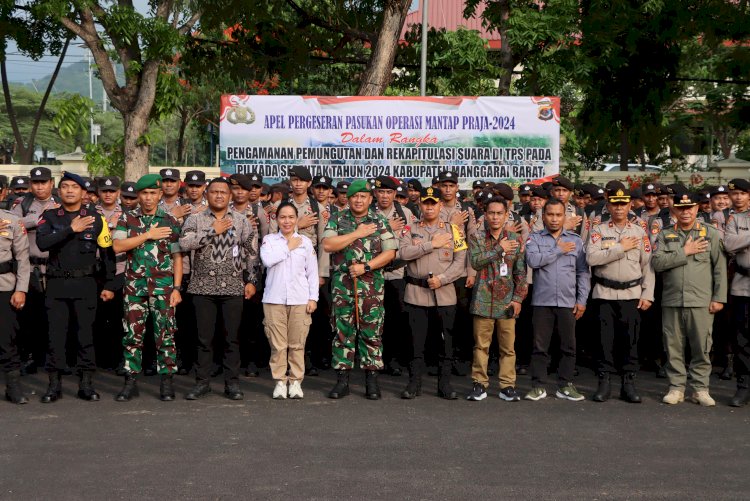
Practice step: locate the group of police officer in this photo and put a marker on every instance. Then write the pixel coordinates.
(395, 269)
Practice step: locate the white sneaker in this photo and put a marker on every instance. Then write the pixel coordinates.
(703, 398)
(674, 397)
(295, 390)
(279, 392)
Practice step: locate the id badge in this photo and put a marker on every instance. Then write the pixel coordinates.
(504, 270)
(235, 251)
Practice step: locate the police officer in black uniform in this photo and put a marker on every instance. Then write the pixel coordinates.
(72, 234)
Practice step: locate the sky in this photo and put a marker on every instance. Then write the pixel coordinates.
(25, 70)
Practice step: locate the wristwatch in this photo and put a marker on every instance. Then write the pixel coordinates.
(367, 268)
(178, 288)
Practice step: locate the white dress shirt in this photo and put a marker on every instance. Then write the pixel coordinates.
(292, 276)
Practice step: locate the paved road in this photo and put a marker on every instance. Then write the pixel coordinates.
(357, 449)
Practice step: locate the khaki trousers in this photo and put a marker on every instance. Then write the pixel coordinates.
(286, 329)
(693, 325)
(484, 328)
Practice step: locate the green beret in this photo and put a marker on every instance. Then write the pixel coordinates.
(149, 181)
(356, 187)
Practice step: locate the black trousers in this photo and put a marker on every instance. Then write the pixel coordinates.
(186, 337)
(525, 331)
(9, 359)
(253, 342)
(742, 326)
(620, 325)
(108, 331)
(33, 341)
(464, 341)
(320, 337)
(423, 320)
(396, 349)
(79, 313)
(208, 310)
(546, 318)
(651, 342)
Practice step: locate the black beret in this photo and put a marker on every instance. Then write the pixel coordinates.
(241, 180)
(385, 182)
(739, 184)
(504, 191)
(414, 184)
(564, 182)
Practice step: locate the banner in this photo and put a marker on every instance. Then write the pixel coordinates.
(511, 139)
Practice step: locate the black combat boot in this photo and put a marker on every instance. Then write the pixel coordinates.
(232, 390)
(13, 390)
(742, 396)
(342, 385)
(86, 390)
(372, 389)
(445, 390)
(129, 389)
(166, 389)
(200, 390)
(727, 373)
(54, 390)
(603, 390)
(627, 392)
(414, 388)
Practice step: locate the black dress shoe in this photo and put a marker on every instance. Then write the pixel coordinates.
(628, 392)
(661, 372)
(233, 392)
(200, 390)
(184, 371)
(742, 396)
(150, 370)
(447, 393)
(522, 370)
(312, 371)
(603, 390)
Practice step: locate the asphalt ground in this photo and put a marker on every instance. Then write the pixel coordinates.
(354, 448)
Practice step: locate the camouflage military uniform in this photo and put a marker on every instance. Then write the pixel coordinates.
(149, 279)
(370, 289)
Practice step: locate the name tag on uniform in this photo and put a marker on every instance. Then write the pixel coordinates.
(504, 270)
(235, 251)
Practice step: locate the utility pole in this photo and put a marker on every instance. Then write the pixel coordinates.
(91, 96)
(423, 62)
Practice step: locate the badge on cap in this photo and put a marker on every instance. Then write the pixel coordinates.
(255, 178)
(720, 188)
(108, 182)
(448, 174)
(19, 181)
(618, 194)
(650, 187)
(38, 173)
(731, 186)
(195, 178)
(685, 198)
(168, 172)
(322, 180)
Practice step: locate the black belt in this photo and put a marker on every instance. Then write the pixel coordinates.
(8, 267)
(38, 260)
(741, 270)
(121, 258)
(419, 282)
(87, 272)
(614, 284)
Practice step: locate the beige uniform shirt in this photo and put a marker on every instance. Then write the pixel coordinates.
(608, 260)
(408, 224)
(415, 247)
(14, 244)
(30, 221)
(737, 243)
(470, 228)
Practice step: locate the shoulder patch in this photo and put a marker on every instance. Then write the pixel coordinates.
(595, 237)
(646, 244)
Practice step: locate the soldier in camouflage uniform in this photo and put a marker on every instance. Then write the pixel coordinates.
(361, 244)
(149, 236)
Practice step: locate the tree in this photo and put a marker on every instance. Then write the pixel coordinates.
(145, 46)
(35, 33)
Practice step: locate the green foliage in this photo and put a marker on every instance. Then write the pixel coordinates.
(458, 63)
(106, 160)
(72, 115)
